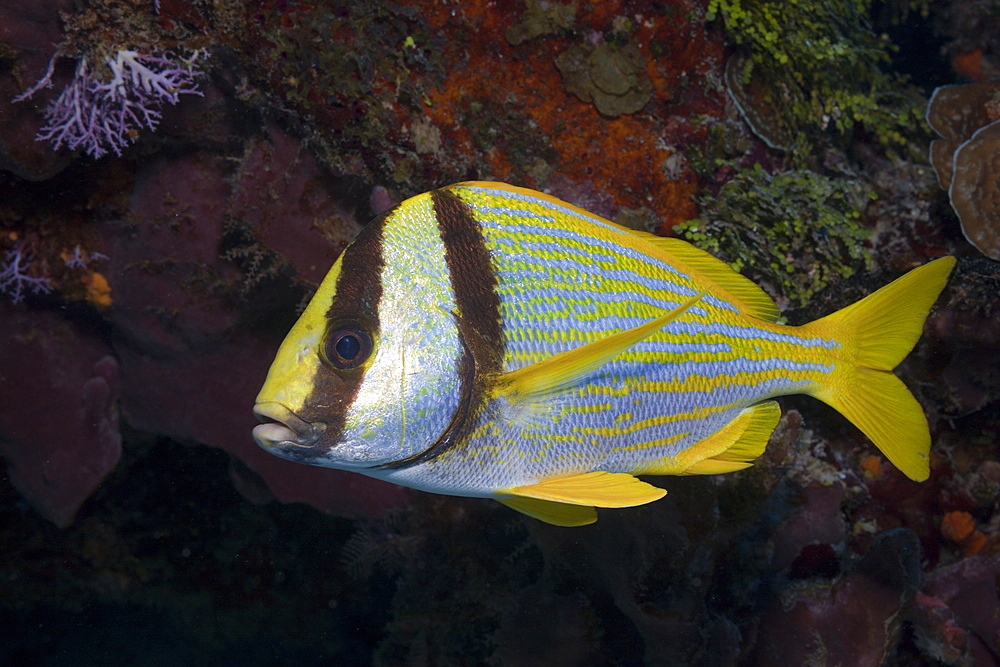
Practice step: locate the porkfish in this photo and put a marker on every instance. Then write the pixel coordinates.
(490, 341)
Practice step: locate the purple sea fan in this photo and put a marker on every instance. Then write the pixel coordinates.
(96, 116)
(16, 274)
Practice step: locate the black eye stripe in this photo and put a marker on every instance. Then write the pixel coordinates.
(358, 293)
(347, 347)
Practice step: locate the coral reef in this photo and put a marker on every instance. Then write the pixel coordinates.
(428, 112)
(142, 297)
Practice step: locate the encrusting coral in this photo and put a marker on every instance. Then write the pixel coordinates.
(755, 102)
(975, 189)
(967, 157)
(609, 74)
(955, 112)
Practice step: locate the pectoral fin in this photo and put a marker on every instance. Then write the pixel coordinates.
(567, 367)
(598, 489)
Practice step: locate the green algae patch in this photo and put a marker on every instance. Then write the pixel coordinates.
(811, 70)
(793, 233)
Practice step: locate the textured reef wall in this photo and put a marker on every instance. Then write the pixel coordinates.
(177, 177)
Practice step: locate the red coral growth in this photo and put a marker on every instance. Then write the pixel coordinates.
(960, 528)
(972, 65)
(871, 467)
(957, 526)
(624, 156)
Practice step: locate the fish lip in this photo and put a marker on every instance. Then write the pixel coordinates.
(281, 426)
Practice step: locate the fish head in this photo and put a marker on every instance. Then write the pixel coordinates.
(369, 374)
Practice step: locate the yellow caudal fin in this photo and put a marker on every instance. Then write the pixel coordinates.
(877, 333)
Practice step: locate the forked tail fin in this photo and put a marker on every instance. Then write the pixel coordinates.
(877, 333)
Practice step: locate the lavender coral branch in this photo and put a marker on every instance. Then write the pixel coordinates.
(96, 116)
(80, 258)
(16, 275)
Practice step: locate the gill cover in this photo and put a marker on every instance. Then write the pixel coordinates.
(369, 375)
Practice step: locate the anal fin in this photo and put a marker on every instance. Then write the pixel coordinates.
(598, 489)
(735, 446)
(558, 514)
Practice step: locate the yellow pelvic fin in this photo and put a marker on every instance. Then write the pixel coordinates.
(566, 367)
(720, 278)
(558, 514)
(600, 489)
(877, 333)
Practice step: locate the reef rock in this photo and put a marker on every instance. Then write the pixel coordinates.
(59, 423)
(854, 620)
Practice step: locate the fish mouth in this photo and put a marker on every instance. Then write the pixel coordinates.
(281, 427)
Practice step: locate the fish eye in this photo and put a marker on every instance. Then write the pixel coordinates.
(347, 347)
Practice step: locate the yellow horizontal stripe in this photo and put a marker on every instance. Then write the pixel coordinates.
(698, 383)
(663, 442)
(612, 432)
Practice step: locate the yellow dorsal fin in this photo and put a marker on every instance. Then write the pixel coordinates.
(720, 278)
(566, 367)
(712, 273)
(558, 514)
(600, 489)
(732, 448)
